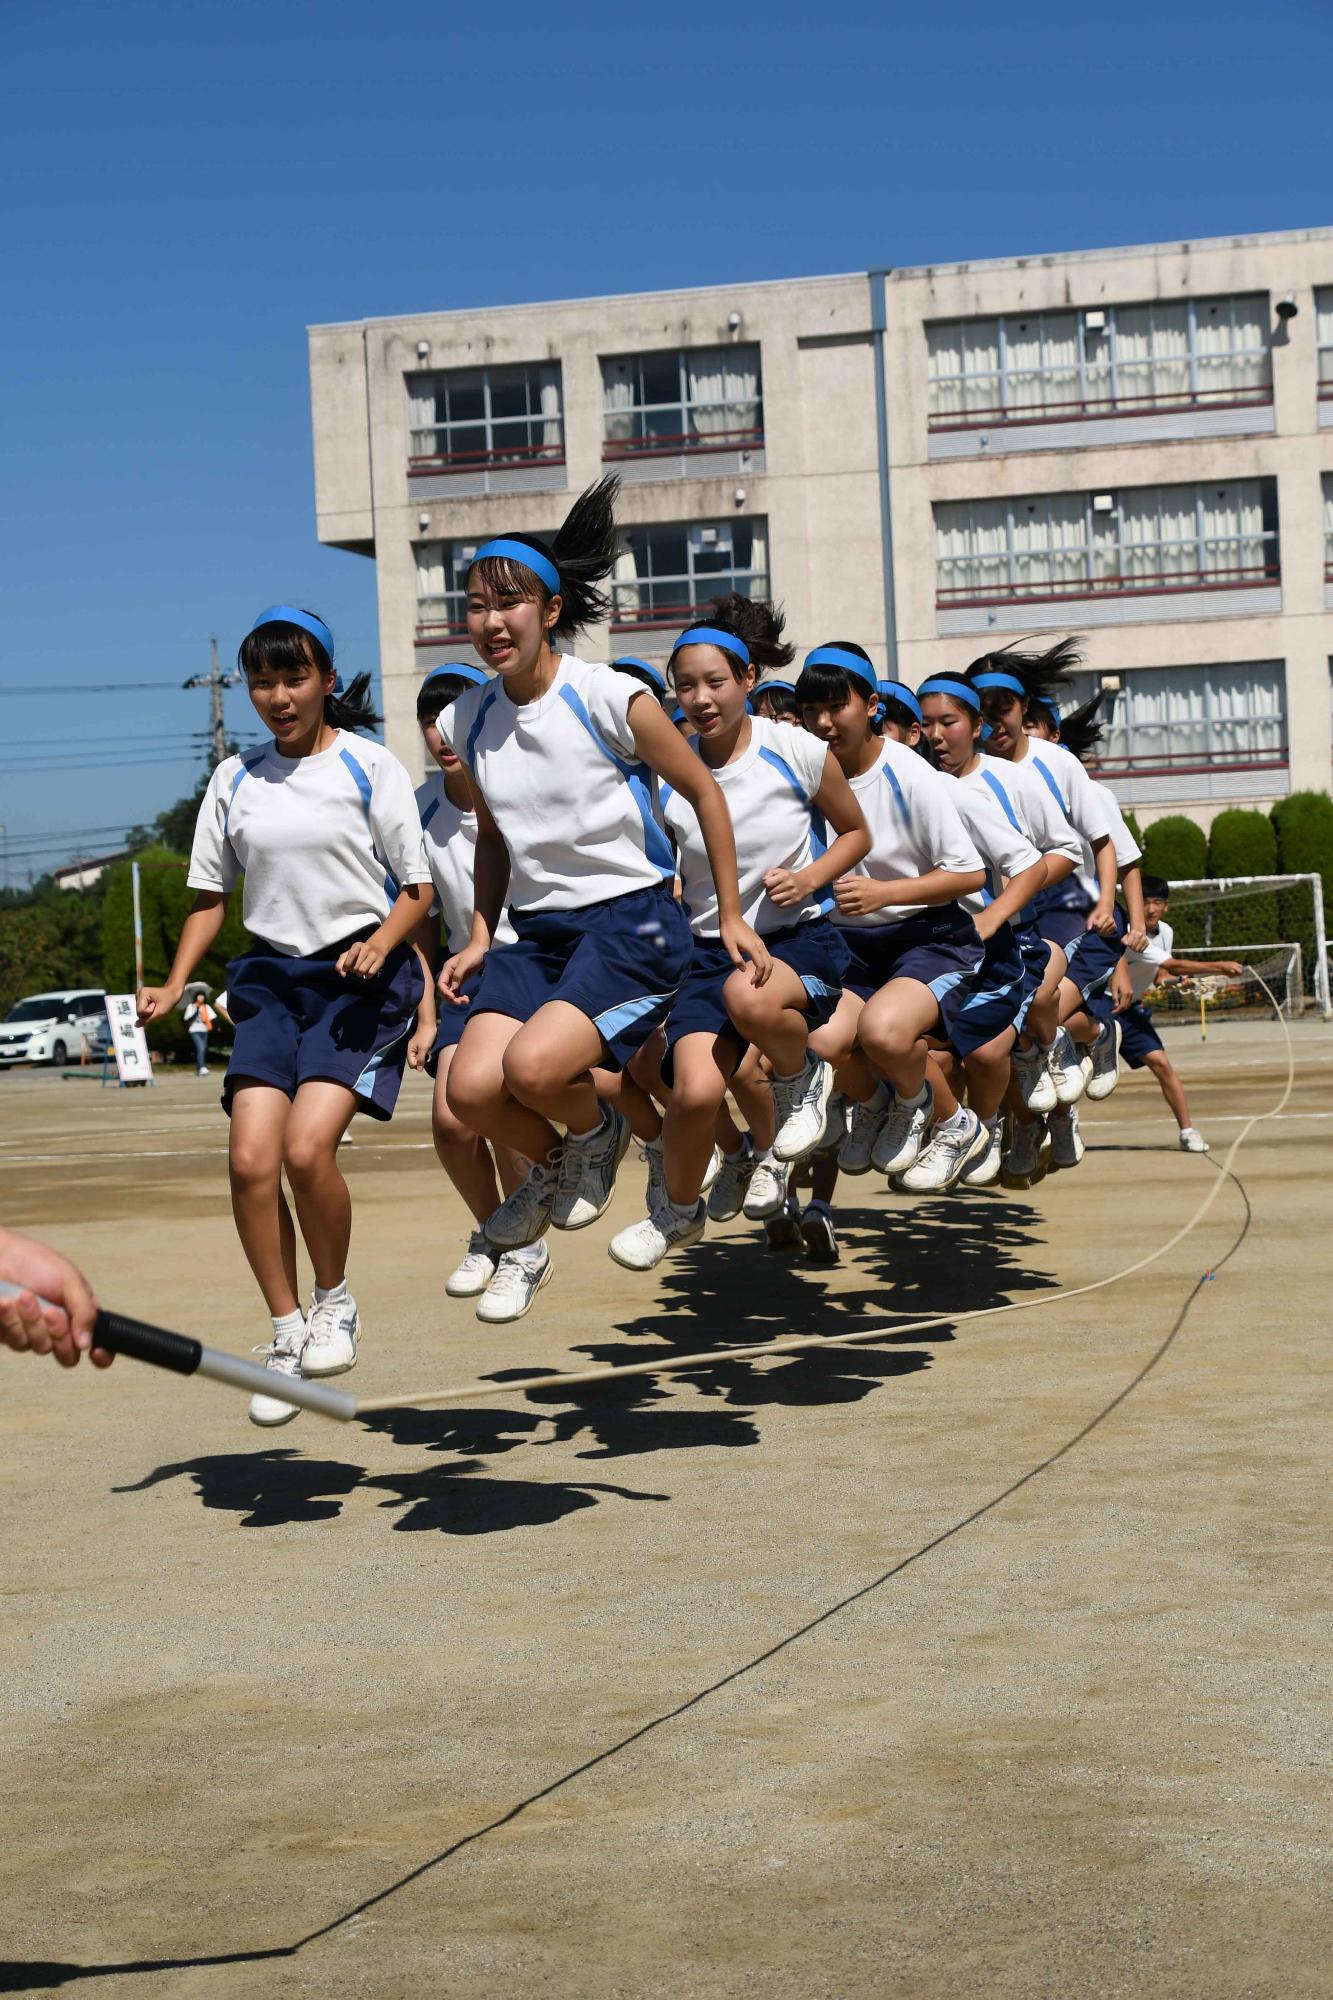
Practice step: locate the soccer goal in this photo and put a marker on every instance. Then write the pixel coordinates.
(1272, 925)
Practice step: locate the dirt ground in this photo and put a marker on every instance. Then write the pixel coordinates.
(982, 1662)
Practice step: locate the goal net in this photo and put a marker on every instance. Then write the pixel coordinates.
(1271, 925)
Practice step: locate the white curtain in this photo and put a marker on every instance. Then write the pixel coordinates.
(1050, 541)
(1323, 324)
(1328, 518)
(1060, 358)
(422, 415)
(430, 582)
(1233, 523)
(759, 551)
(552, 430)
(944, 366)
(1233, 344)
(626, 596)
(972, 546)
(1159, 526)
(617, 400)
(981, 364)
(723, 388)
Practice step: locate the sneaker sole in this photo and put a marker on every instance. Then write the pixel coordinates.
(507, 1319)
(272, 1423)
(319, 1374)
(522, 1244)
(788, 1239)
(765, 1214)
(453, 1291)
(586, 1222)
(964, 1161)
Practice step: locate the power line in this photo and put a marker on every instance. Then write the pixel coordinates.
(13, 691)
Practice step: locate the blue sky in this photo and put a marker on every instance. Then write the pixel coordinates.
(186, 187)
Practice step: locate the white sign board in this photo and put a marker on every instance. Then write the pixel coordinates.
(127, 1040)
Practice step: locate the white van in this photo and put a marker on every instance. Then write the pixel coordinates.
(52, 1027)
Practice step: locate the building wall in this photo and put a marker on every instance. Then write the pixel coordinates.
(818, 484)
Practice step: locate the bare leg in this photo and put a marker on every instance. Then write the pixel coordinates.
(701, 1065)
(1173, 1090)
(632, 1101)
(321, 1112)
(1043, 1014)
(771, 1016)
(754, 1100)
(465, 1158)
(823, 1176)
(987, 1071)
(259, 1116)
(548, 1066)
(480, 1098)
(893, 1028)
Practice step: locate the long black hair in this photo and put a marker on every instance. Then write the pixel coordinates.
(1081, 730)
(757, 623)
(282, 647)
(583, 549)
(1042, 674)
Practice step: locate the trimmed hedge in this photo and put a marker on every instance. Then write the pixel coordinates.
(1243, 842)
(1177, 848)
(1303, 825)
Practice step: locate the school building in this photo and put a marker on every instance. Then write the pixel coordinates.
(1133, 444)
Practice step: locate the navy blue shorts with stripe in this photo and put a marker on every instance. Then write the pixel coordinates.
(1092, 960)
(937, 947)
(619, 962)
(1138, 1037)
(453, 1020)
(996, 997)
(814, 950)
(298, 1020)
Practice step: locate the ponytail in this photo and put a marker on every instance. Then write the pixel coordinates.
(581, 554)
(277, 645)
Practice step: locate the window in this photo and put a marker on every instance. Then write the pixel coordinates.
(666, 571)
(1323, 321)
(1054, 366)
(1328, 527)
(1162, 719)
(442, 569)
(690, 399)
(1149, 538)
(487, 416)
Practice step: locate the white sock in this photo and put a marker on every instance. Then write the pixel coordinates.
(586, 1138)
(288, 1324)
(958, 1123)
(337, 1292)
(533, 1256)
(683, 1210)
(915, 1103)
(746, 1146)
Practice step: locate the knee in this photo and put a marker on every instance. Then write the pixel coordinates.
(697, 1097)
(448, 1128)
(885, 1038)
(251, 1166)
(747, 1003)
(468, 1091)
(306, 1155)
(527, 1071)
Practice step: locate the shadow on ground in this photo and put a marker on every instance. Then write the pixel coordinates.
(910, 1260)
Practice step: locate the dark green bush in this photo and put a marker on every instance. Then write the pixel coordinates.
(1243, 843)
(1303, 825)
(1177, 848)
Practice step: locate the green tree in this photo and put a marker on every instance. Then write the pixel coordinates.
(1178, 848)
(1303, 824)
(49, 938)
(165, 900)
(1243, 842)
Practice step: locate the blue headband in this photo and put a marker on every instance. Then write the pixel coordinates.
(947, 684)
(460, 672)
(897, 691)
(1010, 681)
(284, 614)
(1052, 707)
(773, 681)
(712, 635)
(519, 552)
(678, 713)
(644, 666)
(850, 663)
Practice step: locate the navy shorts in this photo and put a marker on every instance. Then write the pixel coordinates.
(298, 1020)
(816, 954)
(939, 948)
(996, 997)
(1138, 1036)
(619, 962)
(1092, 960)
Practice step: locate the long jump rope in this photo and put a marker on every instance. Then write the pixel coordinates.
(181, 1355)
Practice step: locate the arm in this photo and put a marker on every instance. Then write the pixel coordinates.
(65, 1330)
(665, 751)
(1131, 881)
(1122, 987)
(857, 895)
(1183, 968)
(835, 800)
(1016, 894)
(1101, 917)
(490, 880)
(426, 945)
(364, 960)
(198, 935)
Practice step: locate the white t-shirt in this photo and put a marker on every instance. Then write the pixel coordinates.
(1144, 966)
(325, 842)
(563, 783)
(1028, 803)
(451, 849)
(1070, 786)
(1127, 849)
(768, 789)
(914, 826)
(1004, 848)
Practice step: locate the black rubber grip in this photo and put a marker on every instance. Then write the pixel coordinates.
(147, 1343)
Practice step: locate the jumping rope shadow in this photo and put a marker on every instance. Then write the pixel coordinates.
(983, 1247)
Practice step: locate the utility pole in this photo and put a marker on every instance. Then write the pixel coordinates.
(215, 680)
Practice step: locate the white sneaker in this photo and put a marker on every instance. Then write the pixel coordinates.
(519, 1276)
(1019, 1166)
(941, 1161)
(712, 1170)
(902, 1134)
(330, 1337)
(800, 1102)
(835, 1124)
(821, 1245)
(644, 1244)
(474, 1270)
(1192, 1140)
(729, 1190)
(525, 1214)
(984, 1171)
(783, 1230)
(587, 1178)
(282, 1356)
(1105, 1072)
(1036, 1086)
(768, 1187)
(854, 1153)
(655, 1193)
(1066, 1069)
(1067, 1148)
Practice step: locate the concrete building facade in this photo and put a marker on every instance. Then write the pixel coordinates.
(1136, 445)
